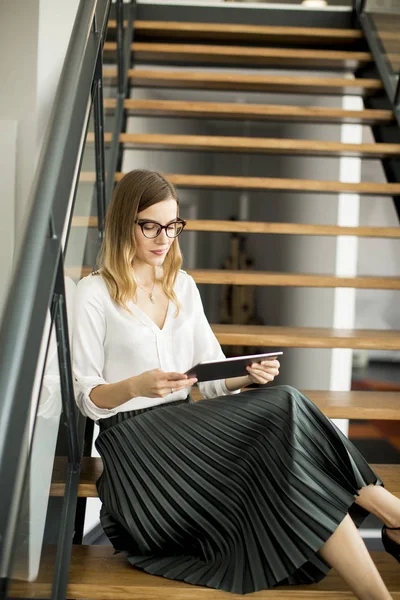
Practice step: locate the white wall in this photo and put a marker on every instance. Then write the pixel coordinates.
(33, 41)
(8, 153)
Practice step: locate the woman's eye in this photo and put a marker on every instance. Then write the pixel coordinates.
(149, 226)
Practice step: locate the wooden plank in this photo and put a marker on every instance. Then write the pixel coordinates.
(349, 405)
(272, 278)
(269, 183)
(246, 82)
(271, 228)
(178, 30)
(256, 145)
(92, 467)
(188, 54)
(306, 337)
(254, 112)
(99, 574)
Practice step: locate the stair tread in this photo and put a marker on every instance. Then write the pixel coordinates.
(228, 31)
(272, 278)
(99, 574)
(244, 55)
(253, 144)
(270, 183)
(241, 277)
(230, 110)
(250, 82)
(330, 402)
(275, 228)
(306, 337)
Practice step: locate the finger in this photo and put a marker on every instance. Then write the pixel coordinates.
(261, 367)
(180, 385)
(261, 376)
(263, 370)
(173, 376)
(271, 363)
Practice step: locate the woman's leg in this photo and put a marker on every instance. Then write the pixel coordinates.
(377, 500)
(346, 552)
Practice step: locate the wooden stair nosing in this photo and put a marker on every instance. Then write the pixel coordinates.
(96, 572)
(156, 141)
(268, 183)
(227, 31)
(269, 228)
(230, 110)
(265, 278)
(189, 54)
(223, 182)
(306, 337)
(239, 81)
(228, 277)
(92, 467)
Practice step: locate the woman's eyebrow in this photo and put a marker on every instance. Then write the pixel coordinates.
(157, 222)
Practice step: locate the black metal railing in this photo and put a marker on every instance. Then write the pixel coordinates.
(38, 286)
(387, 72)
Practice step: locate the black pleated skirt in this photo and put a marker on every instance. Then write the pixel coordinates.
(236, 493)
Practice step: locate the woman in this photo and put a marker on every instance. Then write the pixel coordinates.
(241, 491)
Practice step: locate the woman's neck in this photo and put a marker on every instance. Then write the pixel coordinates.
(145, 273)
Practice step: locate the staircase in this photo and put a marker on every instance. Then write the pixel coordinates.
(166, 52)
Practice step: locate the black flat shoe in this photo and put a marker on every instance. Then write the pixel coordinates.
(390, 546)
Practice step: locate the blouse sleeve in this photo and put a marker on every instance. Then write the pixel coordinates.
(87, 348)
(207, 347)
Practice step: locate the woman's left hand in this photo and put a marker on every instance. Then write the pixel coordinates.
(263, 372)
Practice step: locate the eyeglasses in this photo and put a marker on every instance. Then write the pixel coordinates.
(152, 229)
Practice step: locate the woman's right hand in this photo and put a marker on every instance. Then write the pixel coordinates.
(158, 384)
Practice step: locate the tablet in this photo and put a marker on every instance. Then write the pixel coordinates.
(229, 367)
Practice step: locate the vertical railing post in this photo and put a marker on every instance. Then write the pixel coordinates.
(98, 117)
(124, 43)
(70, 420)
(120, 50)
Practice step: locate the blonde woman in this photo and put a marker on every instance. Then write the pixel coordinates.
(242, 491)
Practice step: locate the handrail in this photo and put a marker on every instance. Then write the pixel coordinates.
(40, 257)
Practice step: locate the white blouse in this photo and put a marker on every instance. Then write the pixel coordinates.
(110, 344)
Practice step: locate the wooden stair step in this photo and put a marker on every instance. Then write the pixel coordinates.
(285, 146)
(222, 182)
(306, 337)
(246, 82)
(92, 467)
(206, 54)
(272, 278)
(226, 32)
(270, 228)
(99, 574)
(254, 112)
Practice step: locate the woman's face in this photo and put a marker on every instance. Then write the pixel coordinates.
(154, 250)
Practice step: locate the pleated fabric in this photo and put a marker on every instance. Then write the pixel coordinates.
(236, 493)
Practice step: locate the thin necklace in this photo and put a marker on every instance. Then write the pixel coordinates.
(150, 294)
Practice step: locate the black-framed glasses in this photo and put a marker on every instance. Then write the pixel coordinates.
(152, 229)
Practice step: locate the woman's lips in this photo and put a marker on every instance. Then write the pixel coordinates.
(159, 252)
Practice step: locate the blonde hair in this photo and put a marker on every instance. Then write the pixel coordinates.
(136, 191)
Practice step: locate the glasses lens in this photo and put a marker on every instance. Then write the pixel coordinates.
(174, 229)
(150, 230)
